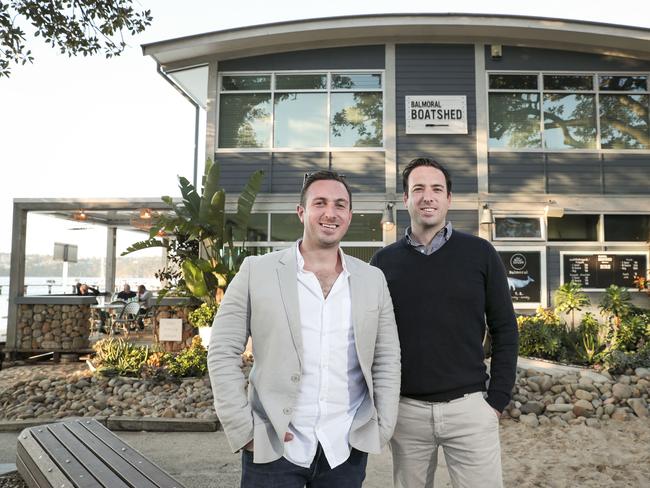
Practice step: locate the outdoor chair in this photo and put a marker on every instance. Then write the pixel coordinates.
(129, 316)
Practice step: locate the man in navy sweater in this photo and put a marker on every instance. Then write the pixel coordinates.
(447, 287)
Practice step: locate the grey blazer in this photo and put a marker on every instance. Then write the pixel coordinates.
(262, 301)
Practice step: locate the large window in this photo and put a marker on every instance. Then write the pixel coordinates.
(558, 111)
(301, 110)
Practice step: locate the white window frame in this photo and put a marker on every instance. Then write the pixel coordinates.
(592, 253)
(542, 227)
(328, 90)
(543, 287)
(541, 91)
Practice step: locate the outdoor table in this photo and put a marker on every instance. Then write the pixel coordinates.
(109, 308)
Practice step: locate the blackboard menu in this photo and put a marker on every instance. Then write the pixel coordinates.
(598, 271)
(524, 272)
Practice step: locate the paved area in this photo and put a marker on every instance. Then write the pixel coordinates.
(203, 460)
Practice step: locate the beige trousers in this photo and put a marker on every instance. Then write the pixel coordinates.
(468, 431)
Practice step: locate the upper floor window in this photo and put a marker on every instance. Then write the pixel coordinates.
(557, 111)
(287, 110)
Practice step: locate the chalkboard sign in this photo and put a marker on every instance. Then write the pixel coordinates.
(598, 271)
(525, 276)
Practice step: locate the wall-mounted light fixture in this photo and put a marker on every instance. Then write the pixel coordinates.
(145, 213)
(553, 210)
(496, 51)
(387, 219)
(486, 215)
(80, 215)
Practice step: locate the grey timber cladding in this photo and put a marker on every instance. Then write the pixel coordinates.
(353, 57)
(284, 171)
(534, 59)
(565, 173)
(437, 69)
(462, 220)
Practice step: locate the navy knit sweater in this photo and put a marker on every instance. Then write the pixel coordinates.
(442, 304)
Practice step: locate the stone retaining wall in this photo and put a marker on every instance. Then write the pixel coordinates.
(584, 398)
(51, 327)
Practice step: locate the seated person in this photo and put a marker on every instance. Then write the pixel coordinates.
(144, 297)
(85, 289)
(126, 293)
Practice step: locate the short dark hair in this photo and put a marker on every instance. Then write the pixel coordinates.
(322, 175)
(424, 162)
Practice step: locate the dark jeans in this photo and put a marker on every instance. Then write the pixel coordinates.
(284, 474)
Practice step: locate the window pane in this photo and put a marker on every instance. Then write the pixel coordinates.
(245, 120)
(254, 82)
(257, 228)
(513, 82)
(623, 83)
(365, 227)
(363, 253)
(514, 120)
(300, 120)
(624, 122)
(517, 227)
(350, 81)
(568, 82)
(300, 82)
(627, 228)
(285, 227)
(569, 121)
(356, 119)
(573, 228)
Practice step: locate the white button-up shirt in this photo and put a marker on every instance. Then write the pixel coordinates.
(332, 386)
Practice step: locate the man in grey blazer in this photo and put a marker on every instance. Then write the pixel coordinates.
(324, 389)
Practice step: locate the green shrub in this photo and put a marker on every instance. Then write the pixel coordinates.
(617, 362)
(631, 332)
(192, 361)
(203, 316)
(540, 335)
(117, 356)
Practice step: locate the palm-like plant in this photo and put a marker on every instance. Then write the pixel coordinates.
(202, 219)
(615, 304)
(569, 297)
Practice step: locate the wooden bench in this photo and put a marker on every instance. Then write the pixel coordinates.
(82, 453)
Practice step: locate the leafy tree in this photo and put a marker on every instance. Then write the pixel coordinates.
(73, 26)
(569, 297)
(204, 248)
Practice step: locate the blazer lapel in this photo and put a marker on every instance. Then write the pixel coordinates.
(288, 284)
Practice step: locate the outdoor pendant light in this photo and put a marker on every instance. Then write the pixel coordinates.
(387, 220)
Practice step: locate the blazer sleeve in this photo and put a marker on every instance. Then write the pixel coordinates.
(386, 367)
(230, 331)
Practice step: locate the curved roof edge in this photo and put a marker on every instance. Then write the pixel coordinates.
(592, 36)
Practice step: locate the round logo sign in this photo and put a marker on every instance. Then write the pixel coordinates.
(518, 261)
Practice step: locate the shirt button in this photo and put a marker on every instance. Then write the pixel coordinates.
(295, 378)
(286, 411)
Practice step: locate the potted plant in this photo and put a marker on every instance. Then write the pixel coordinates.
(202, 318)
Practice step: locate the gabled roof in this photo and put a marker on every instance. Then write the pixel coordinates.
(452, 27)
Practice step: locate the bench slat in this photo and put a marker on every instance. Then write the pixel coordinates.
(38, 466)
(114, 460)
(150, 469)
(73, 469)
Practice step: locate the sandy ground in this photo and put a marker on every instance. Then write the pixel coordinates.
(616, 454)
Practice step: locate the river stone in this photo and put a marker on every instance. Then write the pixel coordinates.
(559, 408)
(642, 372)
(583, 395)
(515, 413)
(619, 414)
(529, 420)
(582, 408)
(622, 391)
(625, 379)
(532, 407)
(592, 423)
(593, 376)
(639, 408)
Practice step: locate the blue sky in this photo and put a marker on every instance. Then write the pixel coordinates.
(91, 127)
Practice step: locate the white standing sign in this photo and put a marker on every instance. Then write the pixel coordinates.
(436, 114)
(170, 330)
